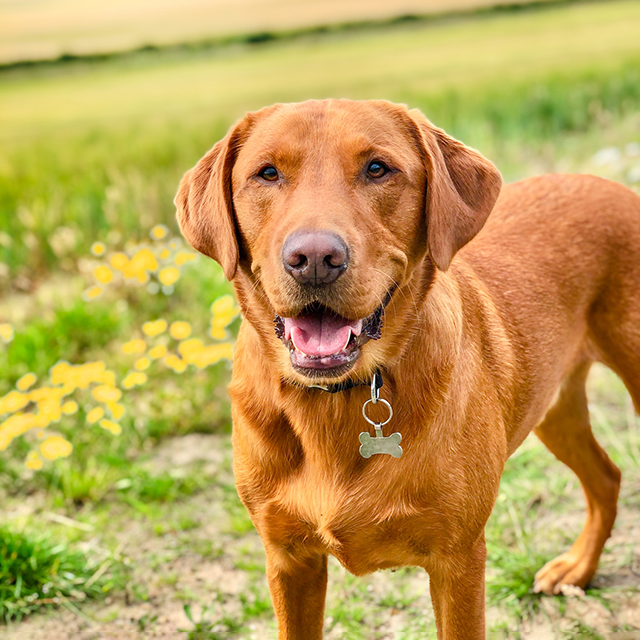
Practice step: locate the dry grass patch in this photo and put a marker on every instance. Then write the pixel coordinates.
(46, 30)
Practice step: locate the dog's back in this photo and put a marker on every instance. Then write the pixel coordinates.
(560, 257)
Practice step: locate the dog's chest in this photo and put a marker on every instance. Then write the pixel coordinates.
(365, 526)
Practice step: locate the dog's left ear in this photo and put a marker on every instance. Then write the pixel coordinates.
(462, 187)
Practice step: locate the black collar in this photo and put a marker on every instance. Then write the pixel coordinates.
(350, 384)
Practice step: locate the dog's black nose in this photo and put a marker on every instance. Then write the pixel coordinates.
(315, 256)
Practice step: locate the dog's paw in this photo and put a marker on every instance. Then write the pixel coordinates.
(566, 575)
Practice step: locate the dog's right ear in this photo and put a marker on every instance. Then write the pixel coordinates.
(204, 203)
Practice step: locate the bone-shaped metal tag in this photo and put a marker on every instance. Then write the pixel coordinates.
(380, 444)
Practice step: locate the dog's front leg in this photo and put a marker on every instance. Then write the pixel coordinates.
(298, 588)
(457, 593)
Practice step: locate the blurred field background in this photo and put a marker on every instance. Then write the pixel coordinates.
(45, 30)
(132, 529)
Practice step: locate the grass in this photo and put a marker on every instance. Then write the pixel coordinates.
(536, 490)
(414, 60)
(38, 573)
(69, 331)
(94, 151)
(208, 628)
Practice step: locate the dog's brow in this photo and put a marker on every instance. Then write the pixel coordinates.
(280, 155)
(386, 152)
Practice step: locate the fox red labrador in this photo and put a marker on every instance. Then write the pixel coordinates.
(398, 343)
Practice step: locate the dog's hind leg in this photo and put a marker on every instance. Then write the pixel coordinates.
(616, 335)
(566, 432)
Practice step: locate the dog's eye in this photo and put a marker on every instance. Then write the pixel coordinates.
(269, 173)
(377, 169)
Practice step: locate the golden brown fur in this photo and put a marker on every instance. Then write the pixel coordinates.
(482, 343)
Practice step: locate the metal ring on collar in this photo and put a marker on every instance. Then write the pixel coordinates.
(372, 422)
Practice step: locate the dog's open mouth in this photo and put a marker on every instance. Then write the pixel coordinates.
(322, 343)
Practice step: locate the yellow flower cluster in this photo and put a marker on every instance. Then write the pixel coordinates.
(29, 407)
(189, 350)
(158, 266)
(25, 409)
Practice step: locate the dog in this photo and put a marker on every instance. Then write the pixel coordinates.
(375, 287)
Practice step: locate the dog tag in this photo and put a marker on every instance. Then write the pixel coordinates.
(371, 445)
(380, 444)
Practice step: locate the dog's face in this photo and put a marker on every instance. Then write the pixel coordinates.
(323, 213)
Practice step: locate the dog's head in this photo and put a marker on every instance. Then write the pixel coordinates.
(325, 212)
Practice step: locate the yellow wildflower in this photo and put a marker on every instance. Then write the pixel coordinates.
(117, 410)
(108, 378)
(134, 346)
(59, 371)
(159, 351)
(13, 401)
(158, 232)
(95, 414)
(90, 372)
(6, 332)
(109, 425)
(169, 276)
(70, 407)
(36, 395)
(223, 312)
(119, 261)
(154, 328)
(174, 362)
(141, 364)
(182, 257)
(224, 305)
(92, 293)
(15, 426)
(217, 332)
(105, 393)
(103, 274)
(189, 347)
(98, 248)
(79, 376)
(142, 262)
(207, 356)
(215, 353)
(134, 379)
(49, 410)
(180, 330)
(33, 461)
(56, 447)
(164, 254)
(27, 380)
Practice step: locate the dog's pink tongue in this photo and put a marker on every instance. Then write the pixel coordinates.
(321, 335)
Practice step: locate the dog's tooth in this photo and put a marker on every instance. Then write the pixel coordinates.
(348, 338)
